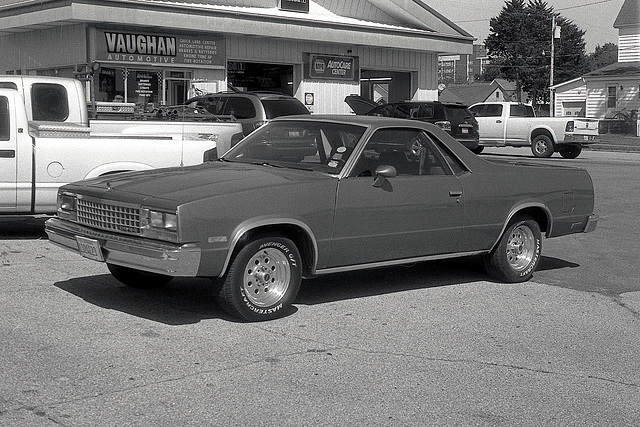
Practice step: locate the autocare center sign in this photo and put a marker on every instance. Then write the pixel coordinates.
(146, 48)
(329, 67)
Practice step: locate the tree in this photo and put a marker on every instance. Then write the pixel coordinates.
(519, 47)
(604, 55)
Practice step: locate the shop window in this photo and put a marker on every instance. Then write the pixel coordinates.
(611, 97)
(49, 102)
(5, 129)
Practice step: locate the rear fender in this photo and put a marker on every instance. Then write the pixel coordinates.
(537, 211)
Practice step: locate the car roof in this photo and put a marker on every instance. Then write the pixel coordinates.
(373, 121)
(259, 95)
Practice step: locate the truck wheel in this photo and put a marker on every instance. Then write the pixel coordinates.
(517, 254)
(571, 152)
(263, 280)
(138, 278)
(542, 146)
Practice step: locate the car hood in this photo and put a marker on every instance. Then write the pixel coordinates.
(181, 185)
(360, 105)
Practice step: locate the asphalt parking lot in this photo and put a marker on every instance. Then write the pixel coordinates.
(430, 344)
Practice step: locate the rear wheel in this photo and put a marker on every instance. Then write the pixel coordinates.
(263, 280)
(517, 254)
(542, 146)
(478, 149)
(571, 152)
(138, 278)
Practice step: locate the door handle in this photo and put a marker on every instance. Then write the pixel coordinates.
(455, 193)
(498, 121)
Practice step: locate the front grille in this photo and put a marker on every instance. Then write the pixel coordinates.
(108, 215)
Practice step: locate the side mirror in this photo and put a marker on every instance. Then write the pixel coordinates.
(382, 173)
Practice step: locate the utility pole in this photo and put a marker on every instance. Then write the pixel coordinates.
(555, 34)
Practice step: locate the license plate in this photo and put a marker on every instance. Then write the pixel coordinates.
(89, 248)
(464, 130)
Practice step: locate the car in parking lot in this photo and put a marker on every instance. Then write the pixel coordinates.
(308, 195)
(252, 109)
(454, 118)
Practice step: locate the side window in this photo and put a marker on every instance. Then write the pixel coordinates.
(426, 111)
(383, 111)
(213, 104)
(8, 85)
(5, 123)
(409, 151)
(521, 110)
(454, 163)
(612, 96)
(49, 102)
(240, 107)
(493, 110)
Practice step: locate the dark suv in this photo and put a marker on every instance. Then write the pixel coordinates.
(252, 109)
(454, 118)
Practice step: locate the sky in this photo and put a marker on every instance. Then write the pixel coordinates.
(595, 17)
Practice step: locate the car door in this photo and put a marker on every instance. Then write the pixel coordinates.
(491, 123)
(419, 212)
(8, 158)
(519, 124)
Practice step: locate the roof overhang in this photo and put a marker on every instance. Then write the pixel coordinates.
(29, 15)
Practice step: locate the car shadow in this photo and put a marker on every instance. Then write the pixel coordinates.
(180, 302)
(190, 300)
(550, 263)
(27, 227)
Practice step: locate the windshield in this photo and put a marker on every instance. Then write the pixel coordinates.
(313, 145)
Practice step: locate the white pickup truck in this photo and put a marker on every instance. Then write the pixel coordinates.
(504, 124)
(45, 142)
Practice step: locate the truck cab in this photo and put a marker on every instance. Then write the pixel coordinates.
(15, 149)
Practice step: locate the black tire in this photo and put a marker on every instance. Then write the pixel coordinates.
(571, 152)
(542, 146)
(263, 280)
(478, 149)
(138, 278)
(517, 254)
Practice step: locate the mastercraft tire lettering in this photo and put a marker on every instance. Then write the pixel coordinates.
(263, 280)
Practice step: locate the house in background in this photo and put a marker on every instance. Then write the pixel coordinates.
(472, 93)
(605, 92)
(571, 98)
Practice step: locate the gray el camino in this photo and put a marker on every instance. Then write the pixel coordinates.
(311, 195)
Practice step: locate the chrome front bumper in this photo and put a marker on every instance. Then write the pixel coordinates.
(133, 252)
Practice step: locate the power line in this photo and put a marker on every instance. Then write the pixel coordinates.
(555, 10)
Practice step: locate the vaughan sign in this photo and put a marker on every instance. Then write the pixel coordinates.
(135, 48)
(140, 44)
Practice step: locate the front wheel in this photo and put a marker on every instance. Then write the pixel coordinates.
(478, 149)
(542, 146)
(138, 278)
(571, 152)
(263, 280)
(517, 254)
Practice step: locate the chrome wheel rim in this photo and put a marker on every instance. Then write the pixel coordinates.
(266, 277)
(541, 147)
(521, 247)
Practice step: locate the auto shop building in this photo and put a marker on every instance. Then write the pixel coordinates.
(162, 52)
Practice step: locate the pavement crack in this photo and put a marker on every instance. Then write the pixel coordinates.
(634, 312)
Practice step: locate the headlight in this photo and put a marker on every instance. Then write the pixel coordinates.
(159, 225)
(66, 205)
